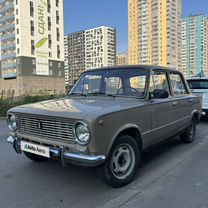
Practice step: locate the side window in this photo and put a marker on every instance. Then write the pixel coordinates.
(159, 81)
(177, 84)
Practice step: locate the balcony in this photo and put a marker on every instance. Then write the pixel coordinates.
(5, 18)
(9, 46)
(8, 37)
(8, 65)
(6, 8)
(7, 27)
(6, 56)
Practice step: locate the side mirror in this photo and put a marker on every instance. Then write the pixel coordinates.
(159, 94)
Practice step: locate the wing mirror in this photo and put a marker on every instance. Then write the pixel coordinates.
(159, 94)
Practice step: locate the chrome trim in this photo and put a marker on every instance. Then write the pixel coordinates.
(147, 132)
(75, 135)
(11, 114)
(63, 155)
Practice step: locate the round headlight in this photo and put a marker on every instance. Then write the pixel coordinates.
(82, 133)
(12, 122)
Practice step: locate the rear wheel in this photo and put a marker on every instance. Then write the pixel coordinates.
(189, 135)
(122, 162)
(35, 158)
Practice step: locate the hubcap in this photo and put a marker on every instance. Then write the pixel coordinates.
(123, 160)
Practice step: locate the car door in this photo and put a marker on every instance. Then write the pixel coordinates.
(163, 110)
(184, 101)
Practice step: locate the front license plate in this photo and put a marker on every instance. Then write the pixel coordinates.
(35, 149)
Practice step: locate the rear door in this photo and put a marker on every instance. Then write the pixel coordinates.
(184, 101)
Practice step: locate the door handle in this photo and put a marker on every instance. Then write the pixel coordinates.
(174, 103)
(191, 100)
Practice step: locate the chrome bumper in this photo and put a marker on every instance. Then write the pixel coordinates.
(64, 155)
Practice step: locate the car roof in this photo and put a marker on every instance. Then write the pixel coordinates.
(147, 67)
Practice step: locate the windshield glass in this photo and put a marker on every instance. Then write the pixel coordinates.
(116, 82)
(198, 84)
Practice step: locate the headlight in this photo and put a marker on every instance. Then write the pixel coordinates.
(82, 133)
(12, 122)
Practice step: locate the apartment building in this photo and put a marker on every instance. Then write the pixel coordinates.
(32, 49)
(155, 32)
(89, 49)
(194, 45)
(121, 59)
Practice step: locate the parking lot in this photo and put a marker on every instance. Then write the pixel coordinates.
(173, 175)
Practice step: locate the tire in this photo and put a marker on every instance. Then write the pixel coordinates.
(190, 133)
(35, 158)
(122, 162)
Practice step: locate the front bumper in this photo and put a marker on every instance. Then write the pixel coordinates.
(65, 155)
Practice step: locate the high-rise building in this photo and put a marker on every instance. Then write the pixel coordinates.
(89, 49)
(32, 46)
(155, 32)
(194, 45)
(121, 59)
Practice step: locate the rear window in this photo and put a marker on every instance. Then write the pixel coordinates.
(198, 84)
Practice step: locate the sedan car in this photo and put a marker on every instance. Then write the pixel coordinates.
(107, 119)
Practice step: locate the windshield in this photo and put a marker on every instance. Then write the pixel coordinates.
(198, 84)
(114, 82)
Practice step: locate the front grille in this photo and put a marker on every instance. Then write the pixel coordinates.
(47, 128)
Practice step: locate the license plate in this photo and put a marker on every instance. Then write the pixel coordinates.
(35, 149)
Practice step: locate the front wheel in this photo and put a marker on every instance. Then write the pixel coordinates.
(35, 158)
(189, 135)
(122, 162)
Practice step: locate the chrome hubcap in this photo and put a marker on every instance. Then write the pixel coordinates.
(123, 161)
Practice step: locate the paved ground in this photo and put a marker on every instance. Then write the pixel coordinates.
(174, 175)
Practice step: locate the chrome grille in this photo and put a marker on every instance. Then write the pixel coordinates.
(48, 128)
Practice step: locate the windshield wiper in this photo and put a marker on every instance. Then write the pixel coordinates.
(101, 93)
(80, 94)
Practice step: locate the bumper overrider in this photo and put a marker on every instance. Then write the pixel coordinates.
(64, 155)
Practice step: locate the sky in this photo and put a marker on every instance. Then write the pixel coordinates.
(86, 14)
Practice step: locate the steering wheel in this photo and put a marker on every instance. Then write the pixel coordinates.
(118, 91)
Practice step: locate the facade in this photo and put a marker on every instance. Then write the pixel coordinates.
(76, 55)
(195, 45)
(121, 59)
(155, 32)
(66, 64)
(32, 46)
(89, 49)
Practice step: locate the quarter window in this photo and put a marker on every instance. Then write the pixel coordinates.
(177, 84)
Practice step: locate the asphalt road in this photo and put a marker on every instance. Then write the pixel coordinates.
(174, 175)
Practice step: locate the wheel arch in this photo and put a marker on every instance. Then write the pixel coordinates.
(195, 116)
(131, 130)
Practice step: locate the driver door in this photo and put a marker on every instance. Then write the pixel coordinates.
(163, 110)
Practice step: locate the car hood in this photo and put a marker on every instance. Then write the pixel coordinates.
(78, 107)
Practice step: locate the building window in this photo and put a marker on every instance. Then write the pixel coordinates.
(57, 34)
(57, 3)
(58, 51)
(31, 9)
(49, 6)
(50, 54)
(59, 65)
(17, 21)
(17, 31)
(49, 23)
(49, 41)
(17, 40)
(32, 47)
(59, 73)
(50, 63)
(16, 2)
(57, 17)
(32, 28)
(18, 50)
(16, 11)
(33, 61)
(51, 72)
